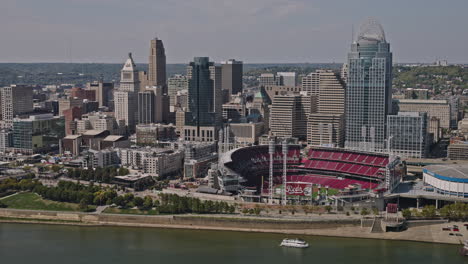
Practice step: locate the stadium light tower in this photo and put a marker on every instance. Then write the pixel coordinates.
(271, 151)
(285, 160)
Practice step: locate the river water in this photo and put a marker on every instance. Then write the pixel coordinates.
(48, 244)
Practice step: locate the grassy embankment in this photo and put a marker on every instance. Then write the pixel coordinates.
(114, 210)
(32, 201)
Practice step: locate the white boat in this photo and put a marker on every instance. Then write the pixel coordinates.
(296, 243)
(464, 249)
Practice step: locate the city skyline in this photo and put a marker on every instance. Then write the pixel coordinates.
(311, 31)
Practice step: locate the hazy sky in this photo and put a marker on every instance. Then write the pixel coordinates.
(249, 30)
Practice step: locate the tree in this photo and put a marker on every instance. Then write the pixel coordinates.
(138, 201)
(429, 211)
(406, 213)
(375, 211)
(364, 211)
(148, 203)
(119, 201)
(123, 171)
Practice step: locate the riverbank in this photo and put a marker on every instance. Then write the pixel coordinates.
(315, 226)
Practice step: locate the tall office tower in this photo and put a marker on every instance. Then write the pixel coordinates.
(368, 94)
(151, 106)
(202, 120)
(217, 77)
(289, 114)
(157, 64)
(146, 103)
(103, 92)
(175, 84)
(143, 78)
(125, 98)
(287, 78)
(407, 132)
(15, 100)
(454, 102)
(129, 80)
(126, 108)
(326, 126)
(232, 76)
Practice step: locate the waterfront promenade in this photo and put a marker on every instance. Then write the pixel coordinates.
(317, 225)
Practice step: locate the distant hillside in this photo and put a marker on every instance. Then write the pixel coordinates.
(81, 73)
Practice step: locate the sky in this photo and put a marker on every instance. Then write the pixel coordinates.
(254, 31)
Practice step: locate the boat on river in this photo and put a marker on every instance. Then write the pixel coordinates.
(294, 243)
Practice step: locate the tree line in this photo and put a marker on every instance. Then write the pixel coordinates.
(455, 211)
(174, 204)
(105, 175)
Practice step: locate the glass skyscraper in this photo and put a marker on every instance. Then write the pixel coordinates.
(368, 94)
(204, 100)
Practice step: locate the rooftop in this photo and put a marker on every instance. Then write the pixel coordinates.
(416, 101)
(113, 138)
(453, 171)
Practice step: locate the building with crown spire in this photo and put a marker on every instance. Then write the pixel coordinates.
(125, 98)
(368, 94)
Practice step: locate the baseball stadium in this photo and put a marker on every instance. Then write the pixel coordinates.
(333, 168)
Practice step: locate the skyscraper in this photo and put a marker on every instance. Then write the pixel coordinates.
(151, 106)
(202, 119)
(326, 127)
(289, 114)
(125, 98)
(157, 64)
(232, 76)
(368, 96)
(407, 134)
(14, 100)
(129, 80)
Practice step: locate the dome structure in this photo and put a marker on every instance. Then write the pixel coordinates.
(371, 31)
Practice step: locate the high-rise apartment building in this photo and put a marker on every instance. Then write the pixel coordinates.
(232, 72)
(204, 108)
(157, 64)
(368, 94)
(14, 100)
(407, 132)
(326, 126)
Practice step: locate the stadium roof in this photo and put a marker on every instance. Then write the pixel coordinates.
(452, 171)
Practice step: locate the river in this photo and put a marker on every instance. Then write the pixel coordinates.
(48, 244)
